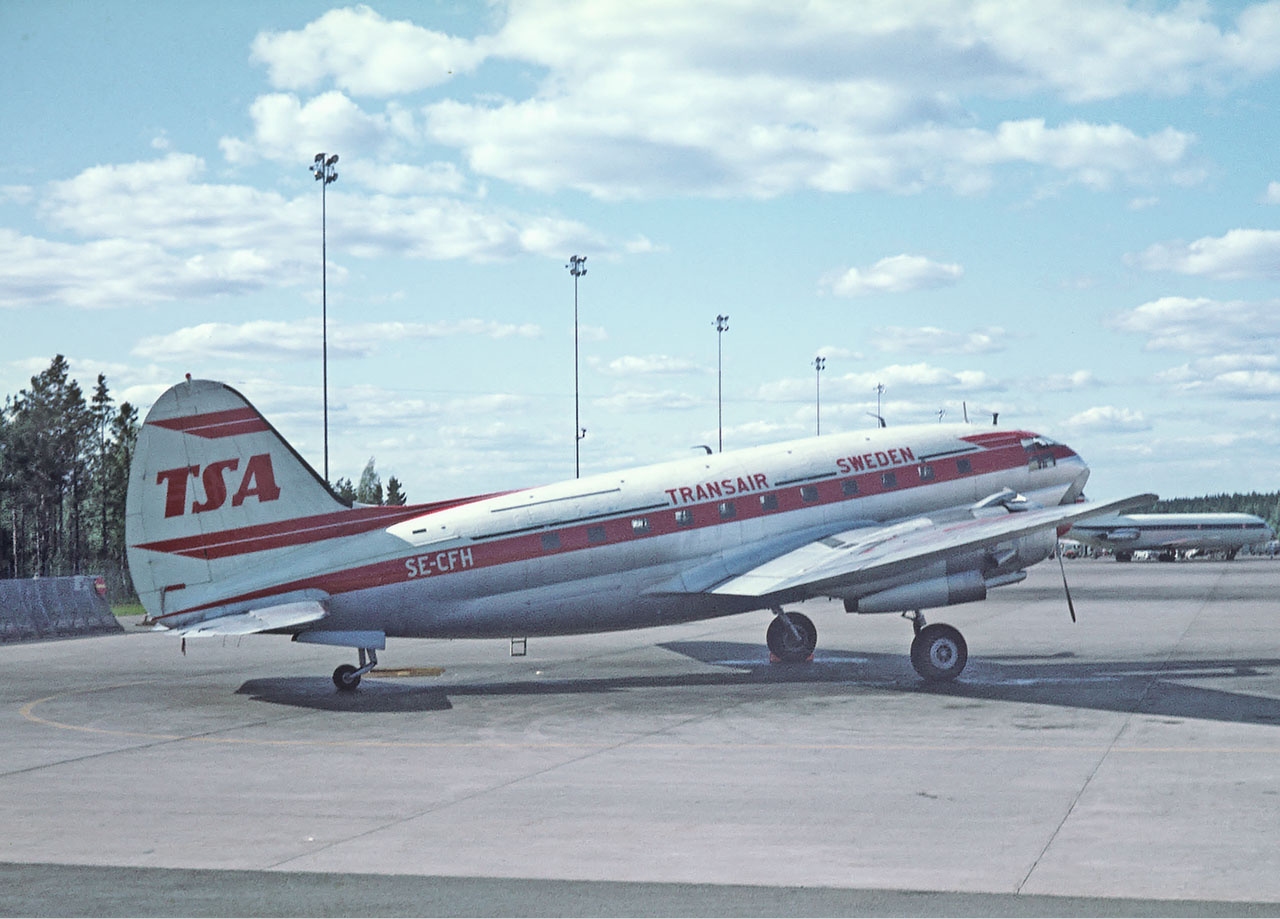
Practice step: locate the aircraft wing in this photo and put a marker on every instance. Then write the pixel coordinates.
(280, 616)
(871, 553)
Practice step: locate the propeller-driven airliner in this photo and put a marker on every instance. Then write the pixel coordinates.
(231, 532)
(1170, 535)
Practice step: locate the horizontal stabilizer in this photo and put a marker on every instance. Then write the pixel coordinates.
(267, 619)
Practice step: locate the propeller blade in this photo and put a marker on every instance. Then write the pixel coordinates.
(1071, 608)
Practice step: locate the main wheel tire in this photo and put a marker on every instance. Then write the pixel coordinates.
(346, 678)
(793, 644)
(939, 652)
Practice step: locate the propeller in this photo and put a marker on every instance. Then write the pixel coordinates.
(1067, 590)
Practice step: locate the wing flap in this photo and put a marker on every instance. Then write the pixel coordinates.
(269, 618)
(867, 552)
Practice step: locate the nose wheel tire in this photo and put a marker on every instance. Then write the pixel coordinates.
(792, 637)
(346, 678)
(939, 652)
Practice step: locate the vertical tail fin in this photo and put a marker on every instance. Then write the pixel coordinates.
(212, 481)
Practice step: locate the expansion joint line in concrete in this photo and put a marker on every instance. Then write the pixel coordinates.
(1123, 729)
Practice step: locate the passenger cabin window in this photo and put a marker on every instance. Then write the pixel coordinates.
(963, 466)
(550, 541)
(769, 502)
(889, 479)
(595, 535)
(849, 487)
(926, 472)
(727, 510)
(639, 526)
(809, 493)
(684, 517)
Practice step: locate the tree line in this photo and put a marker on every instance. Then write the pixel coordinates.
(64, 474)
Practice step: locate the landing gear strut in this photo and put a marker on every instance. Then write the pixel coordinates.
(347, 677)
(938, 652)
(791, 637)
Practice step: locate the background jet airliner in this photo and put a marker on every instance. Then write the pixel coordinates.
(230, 532)
(1170, 534)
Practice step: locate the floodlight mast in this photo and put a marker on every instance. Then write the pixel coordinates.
(322, 169)
(575, 266)
(722, 326)
(819, 364)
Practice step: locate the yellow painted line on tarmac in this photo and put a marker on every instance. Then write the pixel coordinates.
(28, 712)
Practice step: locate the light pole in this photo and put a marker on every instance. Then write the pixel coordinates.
(818, 364)
(575, 268)
(325, 174)
(722, 326)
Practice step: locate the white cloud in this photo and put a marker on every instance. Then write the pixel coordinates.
(650, 365)
(1201, 325)
(1091, 51)
(933, 340)
(894, 274)
(1109, 418)
(407, 179)
(1064, 382)
(1236, 255)
(363, 53)
(1272, 195)
(154, 231)
(287, 130)
(634, 102)
(828, 96)
(896, 378)
(639, 401)
(1234, 376)
(282, 340)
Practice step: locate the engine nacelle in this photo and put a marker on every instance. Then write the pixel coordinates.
(964, 587)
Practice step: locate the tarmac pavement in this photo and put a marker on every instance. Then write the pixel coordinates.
(1123, 765)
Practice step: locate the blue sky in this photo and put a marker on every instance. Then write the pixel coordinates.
(1062, 212)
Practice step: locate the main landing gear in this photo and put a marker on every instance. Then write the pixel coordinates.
(347, 677)
(938, 652)
(791, 637)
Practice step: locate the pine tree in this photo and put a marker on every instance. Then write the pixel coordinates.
(369, 491)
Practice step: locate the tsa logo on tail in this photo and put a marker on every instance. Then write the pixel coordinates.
(258, 481)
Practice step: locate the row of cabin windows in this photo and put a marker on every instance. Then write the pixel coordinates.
(768, 502)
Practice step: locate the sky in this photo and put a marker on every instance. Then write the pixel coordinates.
(1065, 213)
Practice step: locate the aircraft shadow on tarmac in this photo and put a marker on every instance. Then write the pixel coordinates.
(1167, 688)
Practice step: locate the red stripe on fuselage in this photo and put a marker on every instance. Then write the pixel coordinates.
(575, 536)
(298, 531)
(284, 533)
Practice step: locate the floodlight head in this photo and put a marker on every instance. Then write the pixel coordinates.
(331, 160)
(319, 157)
